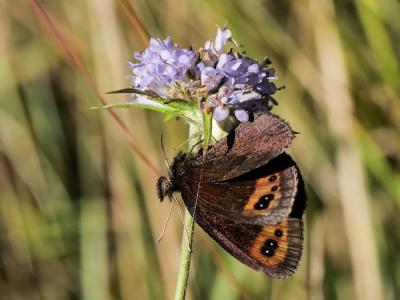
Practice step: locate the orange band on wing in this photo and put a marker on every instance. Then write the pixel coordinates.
(264, 187)
(259, 247)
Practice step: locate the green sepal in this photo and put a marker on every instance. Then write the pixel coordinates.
(207, 130)
(164, 109)
(174, 103)
(191, 116)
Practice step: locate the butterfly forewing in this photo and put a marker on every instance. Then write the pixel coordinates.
(249, 146)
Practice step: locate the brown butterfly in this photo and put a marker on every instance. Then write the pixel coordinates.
(247, 194)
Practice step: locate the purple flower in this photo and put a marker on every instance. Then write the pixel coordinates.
(223, 82)
(220, 113)
(212, 50)
(211, 77)
(161, 65)
(246, 82)
(222, 38)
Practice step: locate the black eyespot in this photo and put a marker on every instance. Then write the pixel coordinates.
(272, 178)
(269, 247)
(274, 188)
(268, 252)
(271, 243)
(264, 201)
(278, 233)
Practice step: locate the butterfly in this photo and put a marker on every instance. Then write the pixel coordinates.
(247, 194)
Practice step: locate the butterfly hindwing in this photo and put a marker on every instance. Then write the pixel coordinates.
(273, 249)
(262, 196)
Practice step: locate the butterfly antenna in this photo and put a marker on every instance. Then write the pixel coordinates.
(196, 135)
(197, 196)
(165, 156)
(183, 221)
(191, 149)
(165, 224)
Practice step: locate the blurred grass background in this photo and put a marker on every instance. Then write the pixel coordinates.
(78, 208)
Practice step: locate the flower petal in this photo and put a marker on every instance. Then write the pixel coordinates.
(223, 36)
(241, 96)
(224, 59)
(241, 115)
(210, 78)
(268, 88)
(220, 113)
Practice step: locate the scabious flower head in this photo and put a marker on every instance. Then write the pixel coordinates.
(161, 66)
(223, 82)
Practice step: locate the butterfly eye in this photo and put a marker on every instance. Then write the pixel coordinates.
(263, 202)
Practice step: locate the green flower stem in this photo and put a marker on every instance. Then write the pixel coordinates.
(187, 237)
(186, 255)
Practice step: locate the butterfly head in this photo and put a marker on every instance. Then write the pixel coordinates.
(165, 187)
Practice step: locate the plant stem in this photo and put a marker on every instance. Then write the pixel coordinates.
(186, 255)
(187, 238)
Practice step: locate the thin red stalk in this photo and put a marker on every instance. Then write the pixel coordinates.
(50, 25)
(133, 18)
